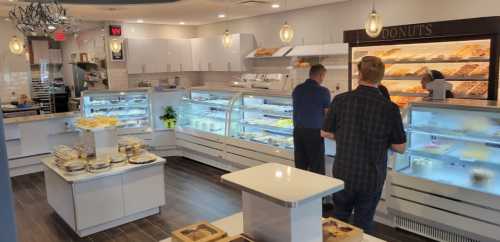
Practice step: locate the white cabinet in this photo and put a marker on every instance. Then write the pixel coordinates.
(196, 53)
(135, 57)
(179, 55)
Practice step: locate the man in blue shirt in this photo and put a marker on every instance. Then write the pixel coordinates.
(310, 103)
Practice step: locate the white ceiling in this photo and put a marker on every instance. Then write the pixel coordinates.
(191, 12)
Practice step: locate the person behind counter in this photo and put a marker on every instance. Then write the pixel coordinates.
(310, 102)
(365, 124)
(429, 77)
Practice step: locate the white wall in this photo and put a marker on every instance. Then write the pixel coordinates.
(14, 69)
(325, 24)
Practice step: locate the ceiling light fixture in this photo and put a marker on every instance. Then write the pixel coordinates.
(275, 5)
(221, 15)
(16, 45)
(286, 32)
(374, 25)
(39, 17)
(182, 23)
(140, 21)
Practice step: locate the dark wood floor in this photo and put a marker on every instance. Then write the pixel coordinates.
(193, 193)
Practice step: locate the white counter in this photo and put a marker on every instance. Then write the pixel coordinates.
(233, 225)
(284, 185)
(90, 203)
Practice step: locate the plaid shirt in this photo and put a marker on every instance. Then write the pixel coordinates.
(365, 124)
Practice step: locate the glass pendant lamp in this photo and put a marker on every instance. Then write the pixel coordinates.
(115, 45)
(374, 25)
(286, 32)
(16, 46)
(227, 39)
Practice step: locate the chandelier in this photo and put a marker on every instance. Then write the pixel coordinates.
(40, 17)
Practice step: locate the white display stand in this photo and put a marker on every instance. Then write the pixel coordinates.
(233, 225)
(90, 203)
(102, 141)
(282, 203)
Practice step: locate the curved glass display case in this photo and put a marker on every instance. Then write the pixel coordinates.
(454, 144)
(132, 107)
(205, 111)
(263, 119)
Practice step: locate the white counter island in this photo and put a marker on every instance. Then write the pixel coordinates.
(90, 202)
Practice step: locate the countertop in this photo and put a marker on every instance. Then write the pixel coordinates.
(284, 185)
(50, 164)
(461, 103)
(233, 225)
(7, 110)
(41, 117)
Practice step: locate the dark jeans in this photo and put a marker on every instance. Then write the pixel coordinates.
(309, 150)
(364, 206)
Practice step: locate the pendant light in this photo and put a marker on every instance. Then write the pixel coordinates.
(227, 38)
(115, 45)
(16, 45)
(374, 25)
(286, 32)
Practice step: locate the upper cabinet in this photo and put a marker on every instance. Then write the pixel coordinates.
(180, 55)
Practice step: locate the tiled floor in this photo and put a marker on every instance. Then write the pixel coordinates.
(193, 193)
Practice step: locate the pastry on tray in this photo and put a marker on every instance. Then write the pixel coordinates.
(398, 71)
(465, 70)
(265, 52)
(419, 71)
(416, 89)
(481, 71)
(449, 71)
(200, 232)
(481, 175)
(142, 159)
(481, 89)
(391, 54)
(337, 231)
(463, 88)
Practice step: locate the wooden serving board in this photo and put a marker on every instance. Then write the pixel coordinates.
(199, 232)
(337, 231)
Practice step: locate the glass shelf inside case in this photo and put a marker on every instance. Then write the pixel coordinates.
(131, 108)
(263, 119)
(455, 147)
(205, 111)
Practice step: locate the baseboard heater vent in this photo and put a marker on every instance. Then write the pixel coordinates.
(430, 231)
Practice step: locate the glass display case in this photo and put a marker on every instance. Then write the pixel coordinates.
(454, 144)
(465, 65)
(205, 110)
(131, 107)
(263, 119)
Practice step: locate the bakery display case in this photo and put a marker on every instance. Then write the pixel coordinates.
(449, 177)
(455, 146)
(464, 50)
(263, 119)
(465, 65)
(132, 107)
(205, 110)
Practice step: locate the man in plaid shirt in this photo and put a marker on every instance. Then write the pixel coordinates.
(365, 124)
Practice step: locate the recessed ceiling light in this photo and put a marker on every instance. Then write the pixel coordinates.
(221, 15)
(182, 23)
(140, 21)
(12, 1)
(275, 5)
(7, 19)
(51, 27)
